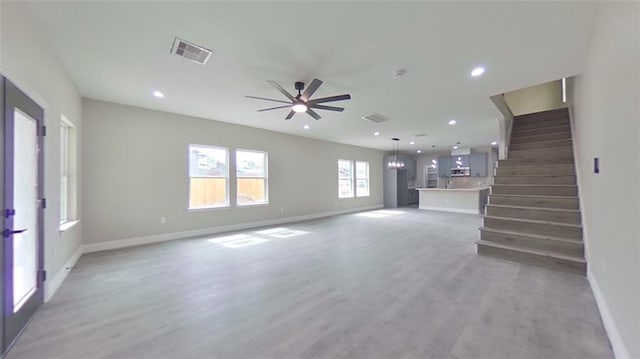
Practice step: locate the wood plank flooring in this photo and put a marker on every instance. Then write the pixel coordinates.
(379, 284)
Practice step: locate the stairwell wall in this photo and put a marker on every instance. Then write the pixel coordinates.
(605, 118)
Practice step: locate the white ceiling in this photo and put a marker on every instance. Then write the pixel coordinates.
(119, 52)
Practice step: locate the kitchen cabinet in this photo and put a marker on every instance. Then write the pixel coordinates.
(461, 161)
(444, 166)
(478, 164)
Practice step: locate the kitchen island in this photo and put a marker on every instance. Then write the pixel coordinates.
(462, 200)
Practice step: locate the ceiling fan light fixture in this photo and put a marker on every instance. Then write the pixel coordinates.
(299, 107)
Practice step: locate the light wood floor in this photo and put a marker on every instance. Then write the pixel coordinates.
(402, 286)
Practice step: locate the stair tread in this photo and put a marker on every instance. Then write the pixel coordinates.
(534, 208)
(564, 139)
(533, 235)
(535, 195)
(537, 221)
(544, 148)
(543, 113)
(540, 252)
(534, 185)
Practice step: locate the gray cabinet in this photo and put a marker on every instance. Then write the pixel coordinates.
(460, 161)
(478, 164)
(444, 166)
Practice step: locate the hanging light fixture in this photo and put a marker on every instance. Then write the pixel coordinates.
(395, 163)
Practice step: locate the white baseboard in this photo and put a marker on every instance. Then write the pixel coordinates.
(456, 210)
(136, 241)
(51, 287)
(620, 350)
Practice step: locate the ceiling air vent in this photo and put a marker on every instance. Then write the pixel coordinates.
(376, 117)
(420, 135)
(190, 51)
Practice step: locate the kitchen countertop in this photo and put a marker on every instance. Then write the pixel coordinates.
(453, 189)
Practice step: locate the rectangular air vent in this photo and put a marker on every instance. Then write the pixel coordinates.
(420, 135)
(190, 51)
(376, 117)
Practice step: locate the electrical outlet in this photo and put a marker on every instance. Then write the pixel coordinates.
(163, 220)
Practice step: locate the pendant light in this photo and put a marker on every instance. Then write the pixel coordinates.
(395, 163)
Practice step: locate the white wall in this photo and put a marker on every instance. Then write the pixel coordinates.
(136, 170)
(605, 102)
(28, 60)
(542, 97)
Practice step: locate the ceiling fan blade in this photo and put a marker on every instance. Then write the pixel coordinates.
(313, 114)
(267, 99)
(290, 115)
(273, 108)
(330, 99)
(329, 108)
(282, 91)
(313, 87)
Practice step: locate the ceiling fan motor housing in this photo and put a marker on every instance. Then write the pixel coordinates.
(299, 86)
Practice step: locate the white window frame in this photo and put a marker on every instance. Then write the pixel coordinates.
(351, 179)
(266, 178)
(368, 179)
(227, 203)
(68, 170)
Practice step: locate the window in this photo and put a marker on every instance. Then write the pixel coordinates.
(362, 179)
(345, 178)
(251, 174)
(66, 170)
(208, 177)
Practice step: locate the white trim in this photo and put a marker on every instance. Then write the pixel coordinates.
(445, 209)
(51, 287)
(620, 351)
(67, 225)
(136, 241)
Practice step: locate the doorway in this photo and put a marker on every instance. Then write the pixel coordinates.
(23, 214)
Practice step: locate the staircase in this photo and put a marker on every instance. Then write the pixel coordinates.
(533, 215)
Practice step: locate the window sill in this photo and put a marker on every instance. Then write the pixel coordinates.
(67, 225)
(249, 205)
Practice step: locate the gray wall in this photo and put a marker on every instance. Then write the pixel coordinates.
(606, 117)
(28, 60)
(135, 171)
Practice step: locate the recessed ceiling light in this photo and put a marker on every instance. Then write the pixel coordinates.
(452, 122)
(412, 143)
(419, 151)
(376, 133)
(455, 147)
(494, 143)
(477, 71)
(158, 94)
(306, 127)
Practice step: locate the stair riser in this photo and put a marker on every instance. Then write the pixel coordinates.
(534, 228)
(539, 131)
(535, 180)
(542, 152)
(559, 113)
(563, 203)
(535, 161)
(545, 137)
(535, 214)
(536, 260)
(572, 249)
(536, 171)
(535, 124)
(535, 190)
(535, 145)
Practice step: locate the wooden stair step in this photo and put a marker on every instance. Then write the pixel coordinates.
(562, 215)
(529, 189)
(542, 137)
(565, 151)
(539, 131)
(540, 144)
(551, 170)
(544, 227)
(534, 241)
(555, 111)
(540, 123)
(535, 180)
(568, 202)
(536, 257)
(536, 161)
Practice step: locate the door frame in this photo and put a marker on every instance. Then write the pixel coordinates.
(14, 323)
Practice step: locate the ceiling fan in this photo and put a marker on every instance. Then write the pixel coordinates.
(303, 102)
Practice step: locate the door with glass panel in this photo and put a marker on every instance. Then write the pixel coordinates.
(23, 210)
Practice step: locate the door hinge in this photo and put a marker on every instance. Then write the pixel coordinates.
(43, 275)
(9, 212)
(44, 203)
(43, 131)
